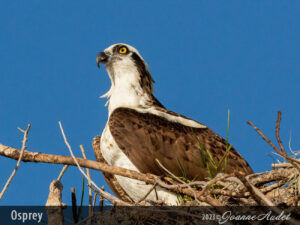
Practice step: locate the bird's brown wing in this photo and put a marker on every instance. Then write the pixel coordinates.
(144, 137)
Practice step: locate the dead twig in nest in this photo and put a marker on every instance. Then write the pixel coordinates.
(213, 181)
(282, 151)
(257, 195)
(189, 191)
(294, 162)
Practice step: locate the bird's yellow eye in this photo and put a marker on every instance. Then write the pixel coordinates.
(123, 50)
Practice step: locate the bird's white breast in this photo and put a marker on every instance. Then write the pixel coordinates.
(134, 188)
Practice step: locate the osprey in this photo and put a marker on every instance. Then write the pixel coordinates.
(140, 130)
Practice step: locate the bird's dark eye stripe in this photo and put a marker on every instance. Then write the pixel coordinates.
(137, 59)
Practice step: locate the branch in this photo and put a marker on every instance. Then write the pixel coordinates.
(277, 133)
(270, 176)
(62, 172)
(213, 181)
(257, 195)
(38, 157)
(281, 152)
(106, 194)
(90, 190)
(19, 161)
(190, 190)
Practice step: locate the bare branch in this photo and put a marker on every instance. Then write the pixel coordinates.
(19, 161)
(62, 172)
(90, 190)
(107, 195)
(38, 157)
(281, 152)
(277, 132)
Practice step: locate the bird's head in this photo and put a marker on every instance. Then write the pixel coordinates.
(118, 53)
(128, 72)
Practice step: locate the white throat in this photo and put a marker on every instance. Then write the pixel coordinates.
(125, 89)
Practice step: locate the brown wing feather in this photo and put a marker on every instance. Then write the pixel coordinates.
(144, 137)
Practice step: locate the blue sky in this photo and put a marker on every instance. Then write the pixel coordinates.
(205, 56)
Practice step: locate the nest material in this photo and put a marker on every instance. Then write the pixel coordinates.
(279, 186)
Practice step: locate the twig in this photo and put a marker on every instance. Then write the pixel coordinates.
(107, 195)
(189, 190)
(148, 193)
(74, 206)
(62, 172)
(269, 176)
(213, 181)
(264, 137)
(102, 196)
(281, 165)
(185, 185)
(19, 161)
(277, 133)
(176, 178)
(273, 186)
(282, 153)
(231, 193)
(90, 190)
(298, 197)
(101, 201)
(257, 195)
(169, 172)
(94, 200)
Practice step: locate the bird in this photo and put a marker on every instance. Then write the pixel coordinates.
(144, 136)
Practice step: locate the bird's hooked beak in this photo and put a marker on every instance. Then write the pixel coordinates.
(102, 57)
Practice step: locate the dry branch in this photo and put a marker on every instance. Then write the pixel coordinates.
(19, 160)
(38, 157)
(106, 194)
(62, 172)
(90, 190)
(281, 152)
(255, 193)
